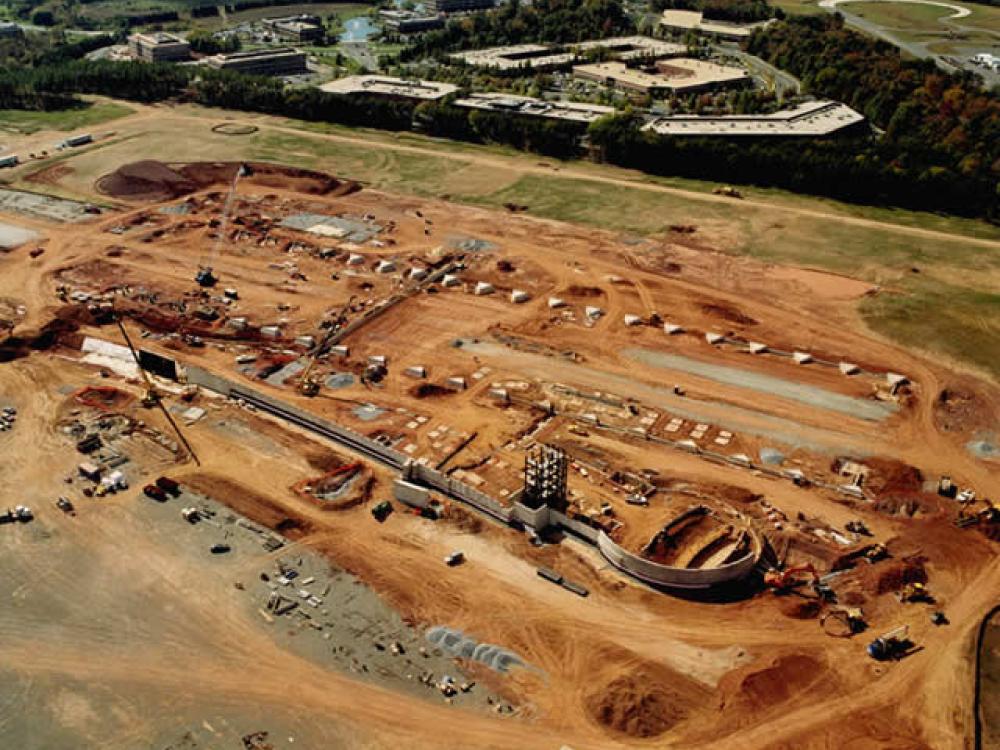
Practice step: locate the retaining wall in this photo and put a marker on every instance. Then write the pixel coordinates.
(670, 577)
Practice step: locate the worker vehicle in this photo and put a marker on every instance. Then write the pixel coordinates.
(728, 191)
(455, 558)
(64, 504)
(876, 552)
(191, 514)
(219, 549)
(785, 580)
(382, 511)
(168, 485)
(155, 493)
(891, 645)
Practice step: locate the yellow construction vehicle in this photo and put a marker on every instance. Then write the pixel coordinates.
(308, 384)
(843, 623)
(151, 397)
(915, 592)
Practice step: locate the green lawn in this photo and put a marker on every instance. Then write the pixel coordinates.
(24, 122)
(906, 16)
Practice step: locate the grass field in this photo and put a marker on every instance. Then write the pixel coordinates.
(798, 7)
(941, 293)
(906, 16)
(20, 121)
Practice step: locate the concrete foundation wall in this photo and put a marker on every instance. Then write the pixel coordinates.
(670, 577)
(411, 494)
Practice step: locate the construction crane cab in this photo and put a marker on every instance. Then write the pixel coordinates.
(206, 276)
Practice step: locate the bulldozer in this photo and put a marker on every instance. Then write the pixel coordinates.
(915, 592)
(844, 622)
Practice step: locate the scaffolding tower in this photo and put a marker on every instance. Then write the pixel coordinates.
(545, 470)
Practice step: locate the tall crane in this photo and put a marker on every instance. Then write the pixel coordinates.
(152, 396)
(205, 276)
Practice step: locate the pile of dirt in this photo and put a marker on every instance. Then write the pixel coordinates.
(104, 398)
(578, 290)
(639, 704)
(961, 409)
(727, 312)
(247, 502)
(888, 477)
(894, 574)
(54, 332)
(800, 609)
(430, 390)
(155, 181)
(754, 689)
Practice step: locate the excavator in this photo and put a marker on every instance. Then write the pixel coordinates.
(309, 385)
(785, 580)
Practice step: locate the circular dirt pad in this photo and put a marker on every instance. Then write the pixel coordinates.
(234, 128)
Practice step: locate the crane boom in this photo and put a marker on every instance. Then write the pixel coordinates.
(205, 276)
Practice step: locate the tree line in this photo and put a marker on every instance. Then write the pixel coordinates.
(939, 128)
(550, 21)
(856, 168)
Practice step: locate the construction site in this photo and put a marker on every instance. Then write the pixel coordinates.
(306, 461)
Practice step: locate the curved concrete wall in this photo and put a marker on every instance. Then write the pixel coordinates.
(678, 578)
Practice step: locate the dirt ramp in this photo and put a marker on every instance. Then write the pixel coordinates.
(745, 694)
(153, 181)
(642, 703)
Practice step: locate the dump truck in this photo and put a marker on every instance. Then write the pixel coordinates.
(168, 485)
(890, 645)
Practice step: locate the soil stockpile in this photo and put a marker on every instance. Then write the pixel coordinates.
(153, 181)
(639, 704)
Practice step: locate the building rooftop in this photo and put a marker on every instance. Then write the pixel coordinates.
(694, 20)
(515, 56)
(253, 54)
(159, 37)
(388, 86)
(526, 105)
(809, 119)
(677, 74)
(628, 47)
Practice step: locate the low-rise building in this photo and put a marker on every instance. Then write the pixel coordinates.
(680, 76)
(518, 57)
(634, 47)
(159, 46)
(409, 22)
(809, 120)
(399, 88)
(300, 28)
(684, 21)
(279, 61)
(525, 105)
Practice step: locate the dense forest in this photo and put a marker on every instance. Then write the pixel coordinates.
(554, 21)
(938, 127)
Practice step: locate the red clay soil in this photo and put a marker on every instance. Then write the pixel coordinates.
(727, 312)
(799, 608)
(892, 575)
(51, 334)
(639, 704)
(249, 503)
(753, 689)
(155, 181)
(104, 398)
